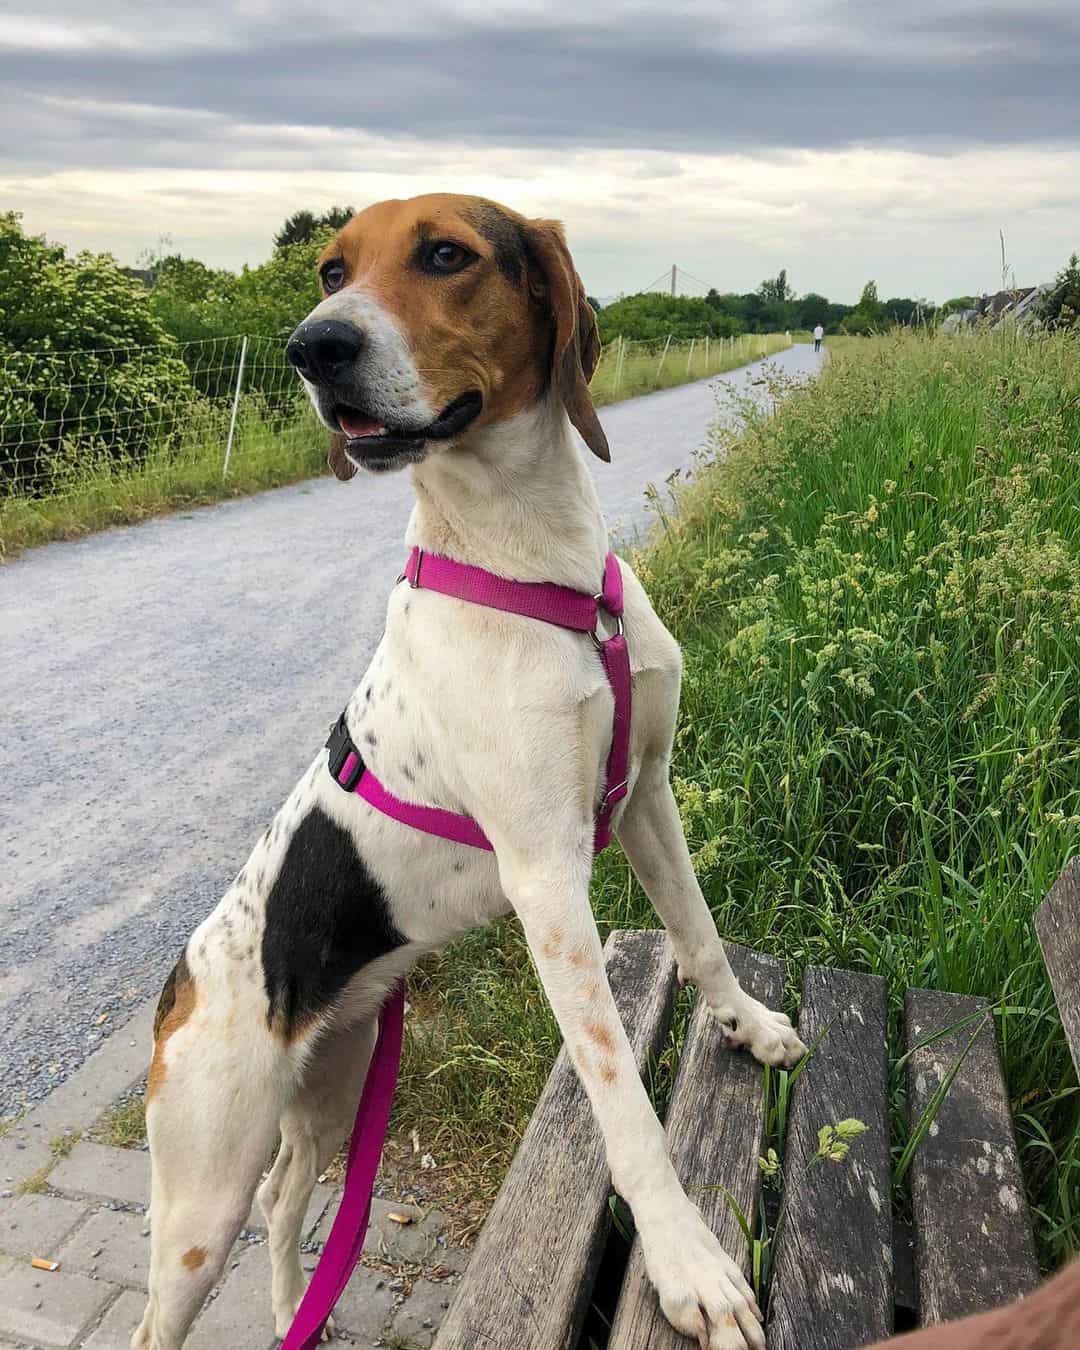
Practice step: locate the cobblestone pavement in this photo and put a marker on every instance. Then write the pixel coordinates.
(84, 1206)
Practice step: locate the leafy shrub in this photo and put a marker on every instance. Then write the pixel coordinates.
(87, 371)
(1060, 308)
(651, 315)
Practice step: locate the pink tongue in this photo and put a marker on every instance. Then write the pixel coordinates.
(354, 426)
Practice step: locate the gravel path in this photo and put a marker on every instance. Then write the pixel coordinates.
(165, 684)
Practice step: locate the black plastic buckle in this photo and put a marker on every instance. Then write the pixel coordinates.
(340, 745)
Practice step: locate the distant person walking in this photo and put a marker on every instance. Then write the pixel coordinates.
(819, 333)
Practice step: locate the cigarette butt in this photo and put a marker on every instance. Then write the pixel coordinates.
(395, 1217)
(39, 1263)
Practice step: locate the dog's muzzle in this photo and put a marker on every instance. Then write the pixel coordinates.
(327, 353)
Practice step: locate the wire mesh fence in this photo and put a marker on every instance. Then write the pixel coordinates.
(67, 415)
(73, 418)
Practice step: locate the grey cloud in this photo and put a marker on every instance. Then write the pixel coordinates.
(921, 79)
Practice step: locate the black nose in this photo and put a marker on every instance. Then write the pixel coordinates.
(320, 349)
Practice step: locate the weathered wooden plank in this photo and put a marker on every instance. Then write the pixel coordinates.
(1058, 924)
(531, 1275)
(974, 1247)
(832, 1280)
(714, 1128)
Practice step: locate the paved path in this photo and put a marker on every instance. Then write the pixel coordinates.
(164, 684)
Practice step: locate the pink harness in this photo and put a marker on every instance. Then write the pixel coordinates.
(566, 608)
(558, 605)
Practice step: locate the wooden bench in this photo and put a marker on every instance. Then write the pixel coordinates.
(550, 1271)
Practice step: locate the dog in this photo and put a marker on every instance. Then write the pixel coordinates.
(454, 338)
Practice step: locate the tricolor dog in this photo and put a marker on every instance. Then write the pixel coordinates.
(455, 340)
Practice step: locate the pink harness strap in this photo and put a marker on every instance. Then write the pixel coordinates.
(558, 605)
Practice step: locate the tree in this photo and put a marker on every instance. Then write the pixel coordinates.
(868, 315)
(907, 311)
(776, 290)
(1060, 307)
(957, 302)
(337, 217)
(302, 226)
(812, 310)
(298, 229)
(654, 315)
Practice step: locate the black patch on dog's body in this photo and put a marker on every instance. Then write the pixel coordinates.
(326, 917)
(179, 975)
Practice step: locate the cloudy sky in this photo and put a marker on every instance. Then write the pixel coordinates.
(874, 138)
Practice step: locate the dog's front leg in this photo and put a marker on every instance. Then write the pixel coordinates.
(701, 1290)
(651, 835)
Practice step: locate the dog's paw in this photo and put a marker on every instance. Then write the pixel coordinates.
(769, 1036)
(702, 1292)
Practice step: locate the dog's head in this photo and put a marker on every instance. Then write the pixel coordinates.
(443, 314)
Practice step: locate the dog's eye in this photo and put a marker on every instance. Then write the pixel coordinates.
(444, 256)
(333, 274)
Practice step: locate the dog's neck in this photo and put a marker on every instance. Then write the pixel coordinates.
(516, 499)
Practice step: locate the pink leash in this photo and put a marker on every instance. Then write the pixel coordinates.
(346, 1240)
(566, 608)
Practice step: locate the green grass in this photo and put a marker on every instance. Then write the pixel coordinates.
(644, 367)
(124, 1124)
(92, 492)
(878, 597)
(96, 493)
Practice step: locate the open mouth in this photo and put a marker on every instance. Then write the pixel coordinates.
(367, 439)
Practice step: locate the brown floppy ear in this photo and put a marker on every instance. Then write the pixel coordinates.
(576, 348)
(338, 460)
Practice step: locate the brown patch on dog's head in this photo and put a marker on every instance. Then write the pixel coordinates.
(175, 1006)
(508, 319)
(193, 1258)
(576, 345)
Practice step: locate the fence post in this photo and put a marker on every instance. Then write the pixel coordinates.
(707, 352)
(663, 354)
(235, 406)
(619, 361)
(690, 357)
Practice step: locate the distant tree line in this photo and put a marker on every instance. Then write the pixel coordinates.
(773, 308)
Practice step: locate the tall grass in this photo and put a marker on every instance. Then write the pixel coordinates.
(878, 597)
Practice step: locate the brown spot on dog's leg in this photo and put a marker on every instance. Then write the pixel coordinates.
(193, 1258)
(552, 943)
(175, 1006)
(579, 958)
(599, 1033)
(608, 1071)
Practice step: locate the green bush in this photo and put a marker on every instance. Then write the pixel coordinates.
(1061, 306)
(87, 371)
(652, 315)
